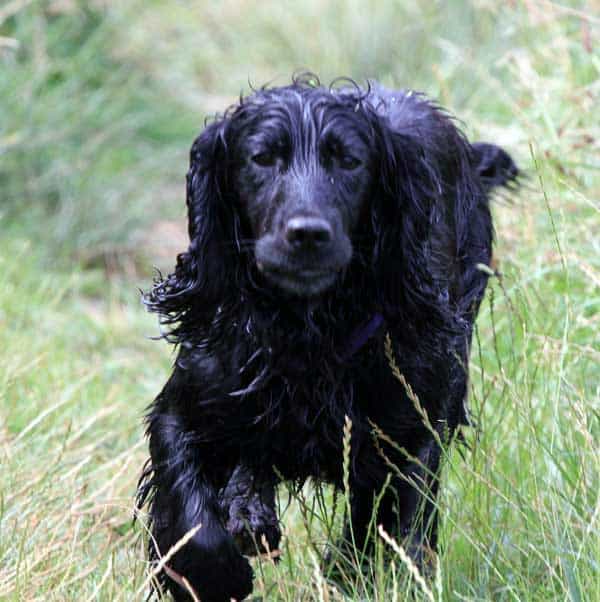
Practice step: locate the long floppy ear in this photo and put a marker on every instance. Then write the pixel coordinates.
(189, 297)
(429, 203)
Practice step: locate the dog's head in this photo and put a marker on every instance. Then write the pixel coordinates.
(293, 182)
(302, 165)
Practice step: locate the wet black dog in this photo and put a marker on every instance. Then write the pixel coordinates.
(323, 223)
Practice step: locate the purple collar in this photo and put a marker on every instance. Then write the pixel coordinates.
(361, 335)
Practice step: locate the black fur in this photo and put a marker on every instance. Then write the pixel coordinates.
(321, 221)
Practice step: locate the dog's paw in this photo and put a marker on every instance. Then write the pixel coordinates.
(248, 512)
(218, 574)
(255, 533)
(257, 539)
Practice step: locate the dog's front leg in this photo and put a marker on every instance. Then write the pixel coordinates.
(185, 495)
(408, 509)
(405, 507)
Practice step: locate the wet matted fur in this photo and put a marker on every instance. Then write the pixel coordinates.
(323, 222)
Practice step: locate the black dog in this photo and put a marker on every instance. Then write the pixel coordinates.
(335, 234)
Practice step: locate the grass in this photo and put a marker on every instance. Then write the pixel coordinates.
(102, 103)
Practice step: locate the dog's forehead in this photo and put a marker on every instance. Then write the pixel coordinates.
(287, 109)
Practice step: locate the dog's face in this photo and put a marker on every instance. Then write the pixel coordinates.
(294, 183)
(304, 164)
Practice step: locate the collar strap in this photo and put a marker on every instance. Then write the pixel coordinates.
(361, 335)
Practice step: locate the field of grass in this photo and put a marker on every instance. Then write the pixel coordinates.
(99, 103)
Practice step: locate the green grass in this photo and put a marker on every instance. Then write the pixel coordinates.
(97, 110)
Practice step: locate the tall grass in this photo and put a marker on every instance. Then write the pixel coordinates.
(98, 105)
(88, 148)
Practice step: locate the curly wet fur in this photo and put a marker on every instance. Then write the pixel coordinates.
(262, 383)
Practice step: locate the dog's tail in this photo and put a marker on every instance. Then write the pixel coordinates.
(495, 167)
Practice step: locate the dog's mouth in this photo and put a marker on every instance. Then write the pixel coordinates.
(304, 281)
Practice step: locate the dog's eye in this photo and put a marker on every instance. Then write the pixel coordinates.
(348, 162)
(266, 159)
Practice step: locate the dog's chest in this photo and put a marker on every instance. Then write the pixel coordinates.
(298, 429)
(298, 421)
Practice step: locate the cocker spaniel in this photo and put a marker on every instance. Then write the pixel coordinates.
(339, 239)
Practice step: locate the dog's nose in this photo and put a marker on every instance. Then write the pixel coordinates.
(307, 231)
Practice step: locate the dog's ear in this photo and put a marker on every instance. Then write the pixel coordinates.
(423, 215)
(494, 166)
(203, 273)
